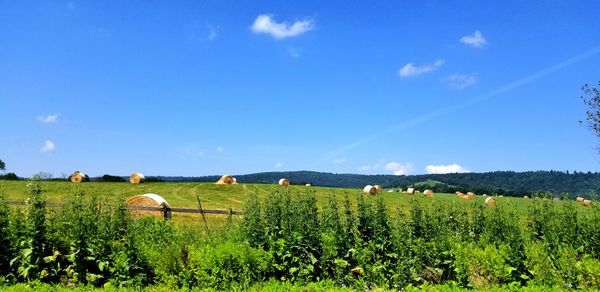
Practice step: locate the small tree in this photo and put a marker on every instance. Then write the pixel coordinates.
(591, 99)
(2, 165)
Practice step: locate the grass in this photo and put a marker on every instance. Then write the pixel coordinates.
(183, 195)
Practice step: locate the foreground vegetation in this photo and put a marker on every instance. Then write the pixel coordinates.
(292, 237)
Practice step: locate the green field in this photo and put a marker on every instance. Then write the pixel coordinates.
(213, 196)
(296, 235)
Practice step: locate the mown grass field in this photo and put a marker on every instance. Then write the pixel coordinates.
(183, 195)
(213, 196)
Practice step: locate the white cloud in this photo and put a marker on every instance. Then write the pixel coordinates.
(411, 69)
(48, 146)
(49, 119)
(476, 40)
(278, 165)
(212, 33)
(450, 168)
(265, 23)
(220, 149)
(339, 160)
(399, 169)
(461, 81)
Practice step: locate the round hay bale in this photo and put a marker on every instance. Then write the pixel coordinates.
(410, 190)
(379, 188)
(370, 190)
(471, 194)
(284, 182)
(78, 177)
(226, 180)
(580, 199)
(484, 195)
(308, 185)
(459, 194)
(490, 202)
(137, 178)
(235, 181)
(587, 202)
(501, 196)
(467, 197)
(428, 193)
(149, 200)
(525, 197)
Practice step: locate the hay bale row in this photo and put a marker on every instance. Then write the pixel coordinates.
(584, 201)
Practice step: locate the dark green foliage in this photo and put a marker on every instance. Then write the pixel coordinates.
(6, 251)
(591, 99)
(9, 176)
(110, 178)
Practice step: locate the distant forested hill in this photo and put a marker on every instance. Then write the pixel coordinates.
(500, 182)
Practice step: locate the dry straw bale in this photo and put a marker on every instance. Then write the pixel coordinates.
(79, 176)
(410, 190)
(525, 197)
(471, 194)
(370, 190)
(428, 193)
(490, 202)
(580, 199)
(417, 192)
(226, 180)
(484, 195)
(137, 178)
(148, 200)
(467, 197)
(308, 185)
(284, 182)
(587, 202)
(379, 188)
(459, 194)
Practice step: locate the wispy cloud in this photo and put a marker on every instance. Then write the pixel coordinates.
(420, 119)
(450, 168)
(48, 146)
(461, 81)
(475, 40)
(398, 168)
(410, 69)
(49, 119)
(265, 23)
(220, 149)
(212, 32)
(294, 53)
(339, 160)
(278, 165)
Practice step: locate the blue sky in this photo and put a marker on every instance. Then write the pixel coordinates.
(198, 88)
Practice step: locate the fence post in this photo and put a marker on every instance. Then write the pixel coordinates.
(166, 211)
